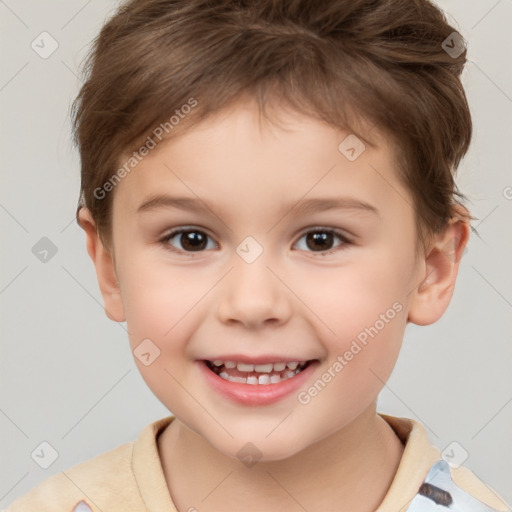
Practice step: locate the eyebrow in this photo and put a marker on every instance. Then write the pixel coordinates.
(158, 201)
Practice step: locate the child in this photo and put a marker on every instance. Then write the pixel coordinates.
(310, 149)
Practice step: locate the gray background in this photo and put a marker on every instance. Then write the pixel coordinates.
(68, 376)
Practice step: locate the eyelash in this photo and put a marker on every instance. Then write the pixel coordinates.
(346, 241)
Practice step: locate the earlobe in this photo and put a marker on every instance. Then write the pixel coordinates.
(105, 268)
(432, 295)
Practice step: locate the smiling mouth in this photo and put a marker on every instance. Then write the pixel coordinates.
(244, 373)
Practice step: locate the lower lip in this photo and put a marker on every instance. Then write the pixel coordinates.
(256, 394)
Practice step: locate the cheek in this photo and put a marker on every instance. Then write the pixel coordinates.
(364, 307)
(157, 298)
(159, 305)
(351, 298)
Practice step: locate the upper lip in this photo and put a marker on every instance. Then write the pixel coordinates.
(262, 359)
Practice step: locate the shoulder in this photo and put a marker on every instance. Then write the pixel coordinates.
(457, 488)
(425, 478)
(92, 485)
(465, 479)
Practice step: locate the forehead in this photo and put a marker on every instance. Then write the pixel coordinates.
(240, 161)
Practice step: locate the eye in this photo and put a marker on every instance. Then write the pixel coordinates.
(191, 239)
(322, 239)
(318, 240)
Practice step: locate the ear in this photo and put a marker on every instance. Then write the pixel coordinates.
(431, 297)
(105, 268)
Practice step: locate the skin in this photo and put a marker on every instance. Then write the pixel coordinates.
(335, 452)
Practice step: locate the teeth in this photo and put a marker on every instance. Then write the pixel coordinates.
(264, 378)
(243, 367)
(260, 368)
(265, 368)
(269, 373)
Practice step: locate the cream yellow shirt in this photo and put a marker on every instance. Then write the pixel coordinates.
(130, 478)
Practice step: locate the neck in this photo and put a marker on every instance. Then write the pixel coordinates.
(350, 470)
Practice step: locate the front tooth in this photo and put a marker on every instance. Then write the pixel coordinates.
(274, 379)
(279, 367)
(217, 362)
(230, 364)
(264, 379)
(252, 379)
(243, 367)
(264, 368)
(293, 365)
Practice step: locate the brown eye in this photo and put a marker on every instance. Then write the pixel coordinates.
(190, 240)
(322, 240)
(319, 240)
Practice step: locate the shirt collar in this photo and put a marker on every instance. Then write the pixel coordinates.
(148, 470)
(417, 459)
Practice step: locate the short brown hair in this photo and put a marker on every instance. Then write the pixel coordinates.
(340, 61)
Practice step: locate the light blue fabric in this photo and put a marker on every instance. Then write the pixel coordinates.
(440, 494)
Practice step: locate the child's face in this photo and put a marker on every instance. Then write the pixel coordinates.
(292, 303)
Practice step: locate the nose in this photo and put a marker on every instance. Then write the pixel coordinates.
(253, 295)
